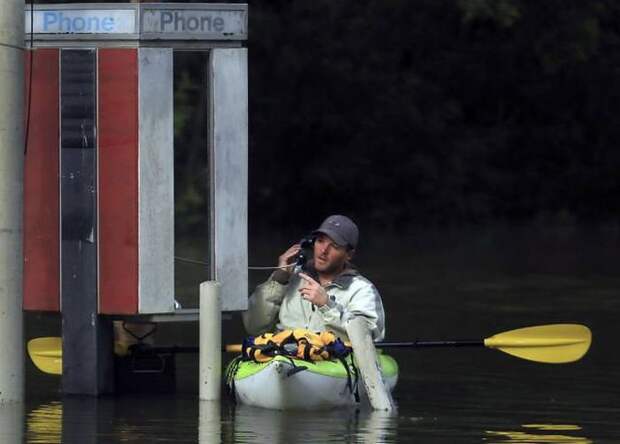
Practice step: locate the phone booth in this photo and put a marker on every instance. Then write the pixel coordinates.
(99, 167)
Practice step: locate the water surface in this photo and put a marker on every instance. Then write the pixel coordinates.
(442, 285)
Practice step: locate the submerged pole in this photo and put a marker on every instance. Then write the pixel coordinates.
(210, 341)
(209, 422)
(365, 357)
(12, 423)
(11, 199)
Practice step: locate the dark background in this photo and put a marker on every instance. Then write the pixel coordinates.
(409, 114)
(435, 112)
(425, 113)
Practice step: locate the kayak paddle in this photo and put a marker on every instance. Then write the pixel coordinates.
(554, 344)
(46, 354)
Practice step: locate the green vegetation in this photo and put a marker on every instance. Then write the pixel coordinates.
(424, 112)
(435, 112)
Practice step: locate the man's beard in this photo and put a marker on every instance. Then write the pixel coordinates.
(330, 269)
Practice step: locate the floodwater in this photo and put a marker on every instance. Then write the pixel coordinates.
(466, 284)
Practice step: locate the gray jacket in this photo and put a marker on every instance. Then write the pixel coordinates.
(277, 306)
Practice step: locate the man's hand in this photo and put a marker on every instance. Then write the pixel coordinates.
(312, 291)
(285, 261)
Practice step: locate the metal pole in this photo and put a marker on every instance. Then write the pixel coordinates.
(210, 341)
(12, 423)
(366, 360)
(11, 199)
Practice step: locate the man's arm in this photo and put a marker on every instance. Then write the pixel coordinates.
(264, 304)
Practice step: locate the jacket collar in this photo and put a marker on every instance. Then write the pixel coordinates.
(344, 279)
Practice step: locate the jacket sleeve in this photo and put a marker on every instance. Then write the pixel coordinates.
(366, 302)
(263, 307)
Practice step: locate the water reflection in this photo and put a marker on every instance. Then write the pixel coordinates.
(252, 425)
(44, 423)
(84, 420)
(209, 422)
(81, 419)
(377, 427)
(124, 419)
(539, 433)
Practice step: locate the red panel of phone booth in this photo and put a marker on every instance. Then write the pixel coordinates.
(118, 181)
(41, 183)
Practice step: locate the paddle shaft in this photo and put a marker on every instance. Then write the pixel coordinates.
(553, 344)
(141, 351)
(237, 347)
(425, 344)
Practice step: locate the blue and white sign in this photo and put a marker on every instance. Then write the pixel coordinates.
(82, 21)
(137, 21)
(187, 22)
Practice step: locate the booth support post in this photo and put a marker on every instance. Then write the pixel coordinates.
(228, 163)
(88, 362)
(11, 200)
(210, 341)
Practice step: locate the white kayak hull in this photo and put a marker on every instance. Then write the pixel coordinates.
(275, 386)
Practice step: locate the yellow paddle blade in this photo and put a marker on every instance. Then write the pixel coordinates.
(46, 354)
(554, 343)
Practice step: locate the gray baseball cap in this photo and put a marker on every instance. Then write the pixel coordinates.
(340, 229)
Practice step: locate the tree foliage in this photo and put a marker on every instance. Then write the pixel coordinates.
(423, 112)
(434, 112)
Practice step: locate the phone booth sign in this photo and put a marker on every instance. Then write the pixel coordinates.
(99, 169)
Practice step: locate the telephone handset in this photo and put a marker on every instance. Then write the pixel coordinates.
(306, 252)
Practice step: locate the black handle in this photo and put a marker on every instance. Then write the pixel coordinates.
(420, 344)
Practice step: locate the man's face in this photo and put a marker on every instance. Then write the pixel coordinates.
(329, 257)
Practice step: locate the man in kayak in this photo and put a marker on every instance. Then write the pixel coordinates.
(326, 296)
